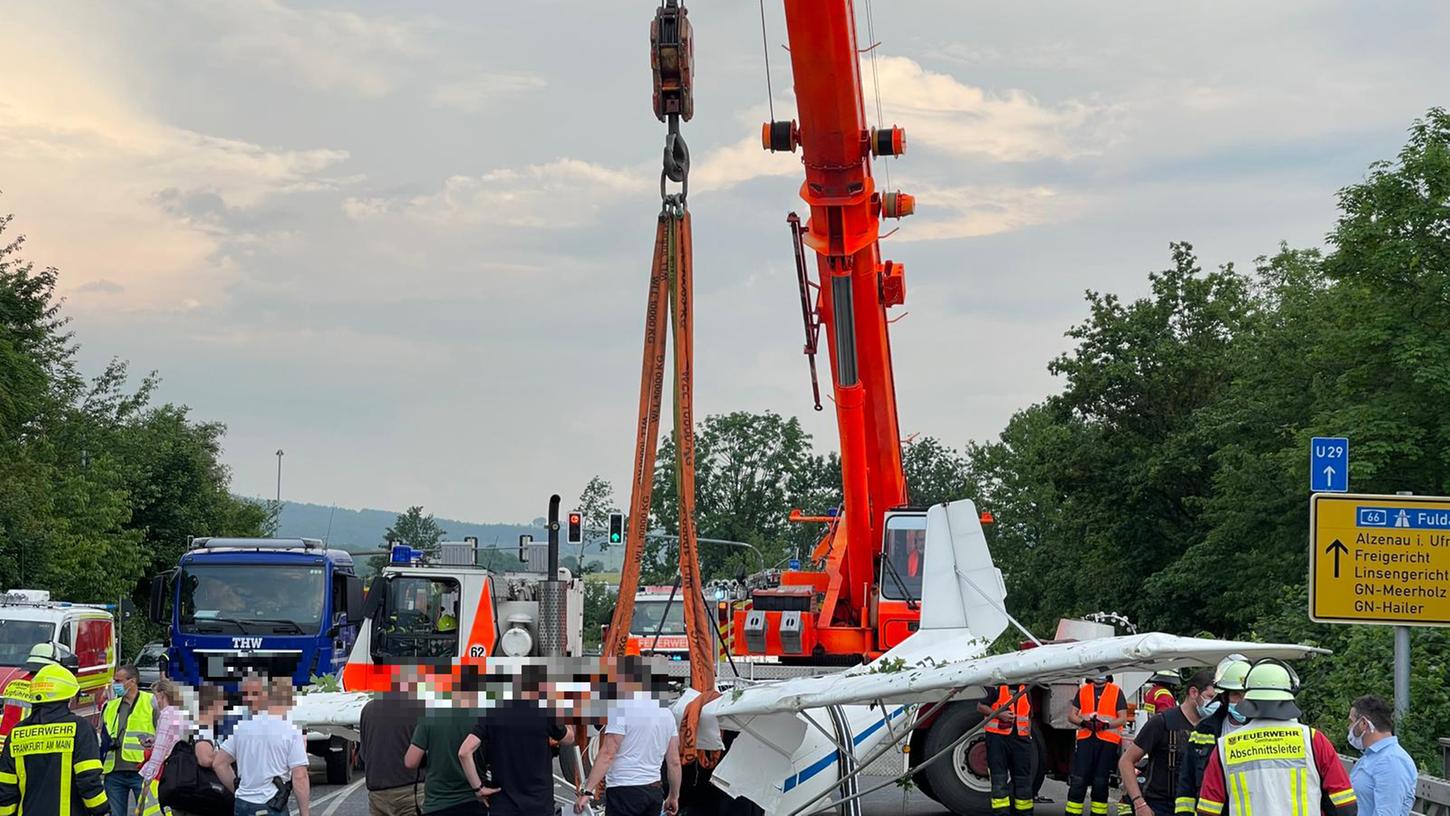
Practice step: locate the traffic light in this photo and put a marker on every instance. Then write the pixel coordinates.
(616, 528)
(576, 528)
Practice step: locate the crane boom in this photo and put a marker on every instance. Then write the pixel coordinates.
(855, 289)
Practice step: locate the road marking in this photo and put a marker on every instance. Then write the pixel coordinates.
(338, 797)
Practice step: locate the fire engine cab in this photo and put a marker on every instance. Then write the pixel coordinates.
(29, 617)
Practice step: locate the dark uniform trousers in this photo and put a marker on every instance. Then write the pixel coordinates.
(1092, 761)
(51, 765)
(634, 800)
(1009, 757)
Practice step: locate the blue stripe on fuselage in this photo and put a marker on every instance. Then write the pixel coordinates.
(830, 759)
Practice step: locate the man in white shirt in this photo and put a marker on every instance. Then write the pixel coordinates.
(266, 746)
(640, 734)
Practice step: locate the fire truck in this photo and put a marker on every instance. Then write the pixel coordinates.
(29, 617)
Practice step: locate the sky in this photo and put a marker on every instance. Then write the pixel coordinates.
(408, 243)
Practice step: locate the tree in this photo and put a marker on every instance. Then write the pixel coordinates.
(415, 530)
(596, 503)
(746, 467)
(935, 473)
(100, 487)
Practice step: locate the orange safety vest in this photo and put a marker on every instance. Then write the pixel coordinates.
(1106, 708)
(913, 564)
(1022, 709)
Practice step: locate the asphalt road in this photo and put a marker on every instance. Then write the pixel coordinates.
(352, 800)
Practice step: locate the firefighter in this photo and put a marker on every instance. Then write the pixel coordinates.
(1099, 712)
(1275, 766)
(1160, 695)
(51, 765)
(1009, 749)
(1218, 717)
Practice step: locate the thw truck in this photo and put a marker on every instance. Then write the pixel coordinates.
(276, 606)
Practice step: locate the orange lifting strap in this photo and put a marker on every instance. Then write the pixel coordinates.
(671, 289)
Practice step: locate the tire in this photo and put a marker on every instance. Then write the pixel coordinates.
(339, 761)
(959, 781)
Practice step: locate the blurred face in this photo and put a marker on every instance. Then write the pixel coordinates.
(1234, 697)
(1203, 697)
(252, 695)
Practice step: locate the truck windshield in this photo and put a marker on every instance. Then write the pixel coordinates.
(251, 598)
(647, 616)
(18, 637)
(905, 560)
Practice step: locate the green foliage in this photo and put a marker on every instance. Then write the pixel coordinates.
(100, 486)
(599, 600)
(1167, 479)
(416, 530)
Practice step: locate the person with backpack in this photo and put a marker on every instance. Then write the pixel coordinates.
(188, 785)
(170, 728)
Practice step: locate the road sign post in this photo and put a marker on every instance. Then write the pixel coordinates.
(1329, 464)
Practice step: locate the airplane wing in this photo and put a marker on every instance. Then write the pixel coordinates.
(925, 681)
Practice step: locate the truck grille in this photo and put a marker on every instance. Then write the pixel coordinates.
(228, 667)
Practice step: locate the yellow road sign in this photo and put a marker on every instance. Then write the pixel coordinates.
(1379, 559)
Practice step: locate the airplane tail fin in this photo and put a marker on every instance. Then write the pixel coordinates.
(961, 587)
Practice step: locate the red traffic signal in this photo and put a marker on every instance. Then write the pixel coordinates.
(576, 528)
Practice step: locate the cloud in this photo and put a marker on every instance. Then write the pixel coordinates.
(974, 211)
(1011, 126)
(476, 93)
(739, 162)
(97, 181)
(328, 50)
(560, 194)
(101, 286)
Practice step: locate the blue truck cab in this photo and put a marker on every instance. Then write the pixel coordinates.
(282, 607)
(276, 606)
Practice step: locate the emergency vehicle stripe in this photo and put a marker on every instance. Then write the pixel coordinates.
(88, 765)
(1343, 797)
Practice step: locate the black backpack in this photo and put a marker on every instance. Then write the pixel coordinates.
(187, 786)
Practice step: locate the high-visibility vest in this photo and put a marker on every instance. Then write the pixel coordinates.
(1022, 709)
(1269, 769)
(140, 725)
(1106, 708)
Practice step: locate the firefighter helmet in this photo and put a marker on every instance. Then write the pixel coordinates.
(53, 684)
(1230, 674)
(1269, 692)
(51, 654)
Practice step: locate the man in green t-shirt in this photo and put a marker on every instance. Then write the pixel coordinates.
(436, 739)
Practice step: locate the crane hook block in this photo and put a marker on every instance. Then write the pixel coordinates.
(780, 137)
(888, 141)
(672, 57)
(898, 204)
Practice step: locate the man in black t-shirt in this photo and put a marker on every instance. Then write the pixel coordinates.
(1153, 788)
(386, 728)
(515, 735)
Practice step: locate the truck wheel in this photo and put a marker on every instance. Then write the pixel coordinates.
(959, 781)
(339, 761)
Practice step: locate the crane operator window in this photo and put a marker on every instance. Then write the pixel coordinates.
(419, 618)
(905, 560)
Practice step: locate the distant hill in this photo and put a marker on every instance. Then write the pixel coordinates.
(363, 530)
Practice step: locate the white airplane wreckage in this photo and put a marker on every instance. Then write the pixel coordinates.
(802, 743)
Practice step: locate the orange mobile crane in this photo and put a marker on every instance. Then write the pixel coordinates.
(866, 599)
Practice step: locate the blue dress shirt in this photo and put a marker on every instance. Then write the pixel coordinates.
(1384, 779)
